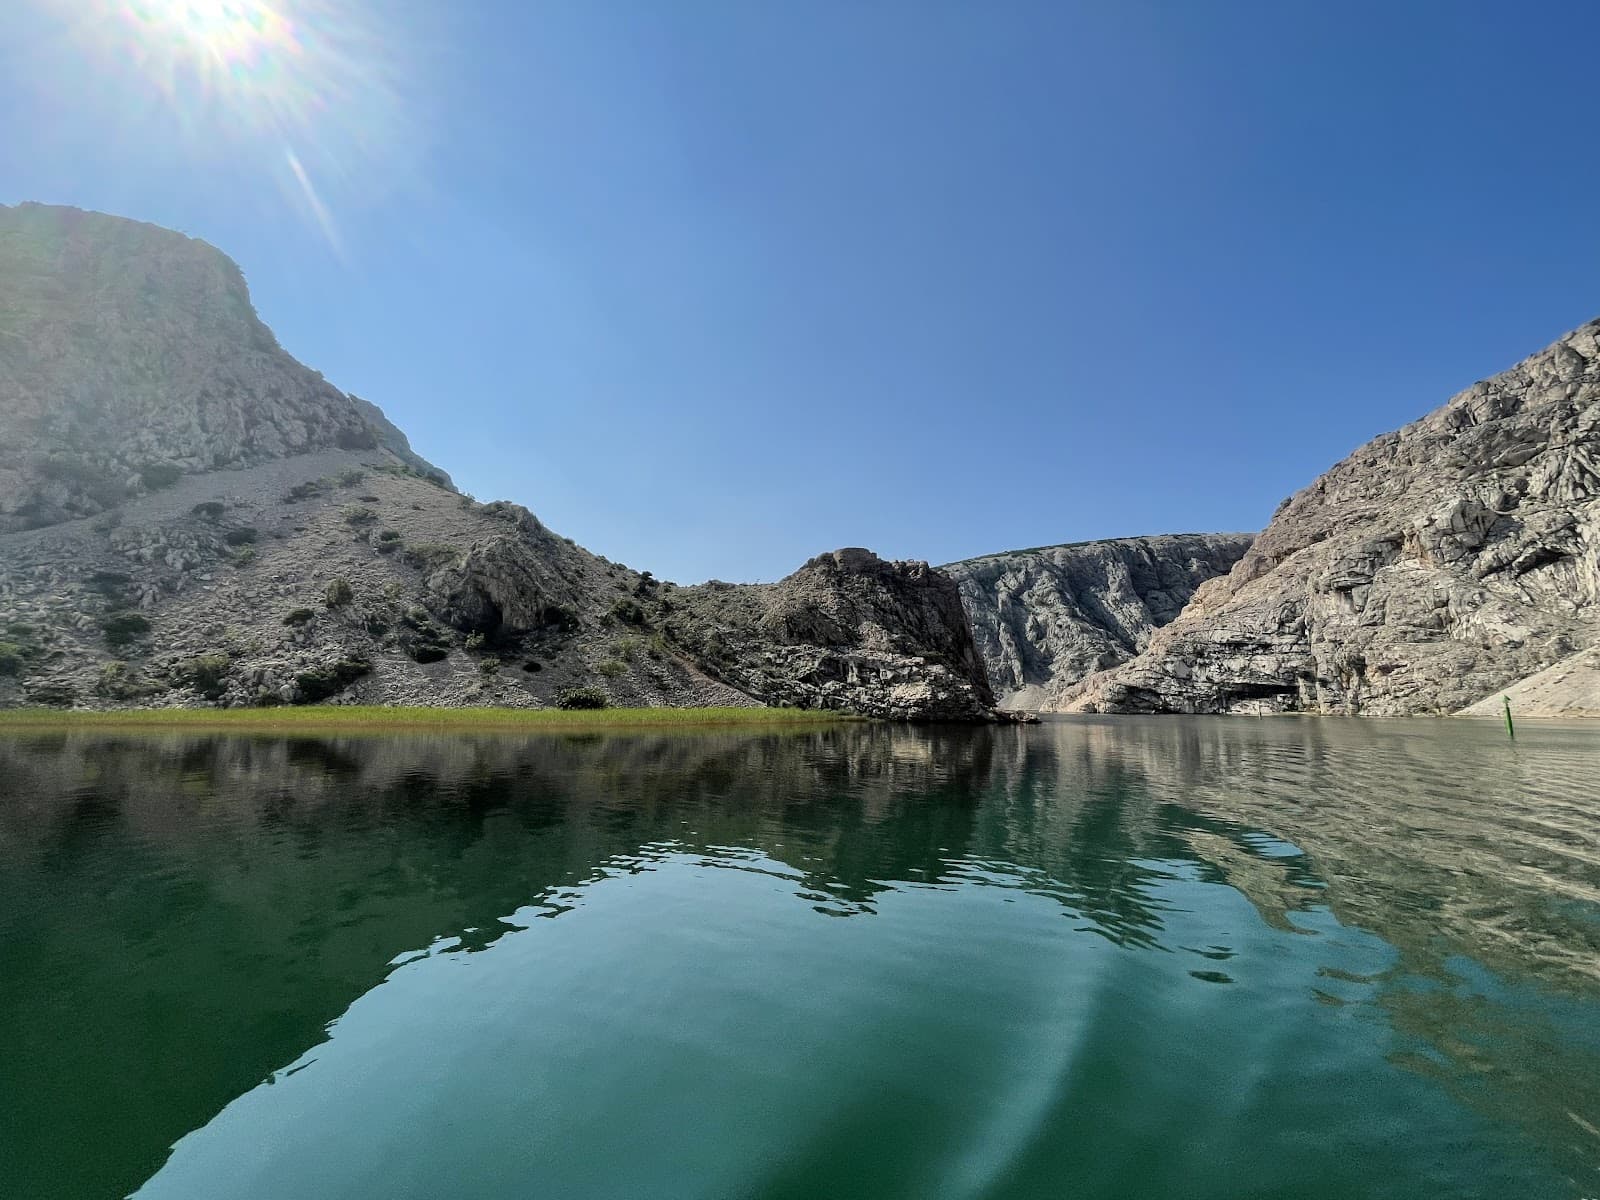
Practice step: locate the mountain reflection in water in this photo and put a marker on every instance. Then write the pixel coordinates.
(953, 946)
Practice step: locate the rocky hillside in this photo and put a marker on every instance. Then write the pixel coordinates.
(1044, 619)
(1432, 568)
(891, 637)
(189, 516)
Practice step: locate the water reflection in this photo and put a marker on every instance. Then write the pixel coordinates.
(182, 917)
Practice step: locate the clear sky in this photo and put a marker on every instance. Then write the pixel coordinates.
(712, 287)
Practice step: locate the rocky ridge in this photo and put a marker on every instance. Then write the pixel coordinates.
(189, 516)
(1044, 619)
(1432, 568)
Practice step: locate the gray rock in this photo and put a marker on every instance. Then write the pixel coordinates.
(1433, 567)
(1044, 619)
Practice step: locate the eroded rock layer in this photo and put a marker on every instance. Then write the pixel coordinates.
(1045, 619)
(1432, 567)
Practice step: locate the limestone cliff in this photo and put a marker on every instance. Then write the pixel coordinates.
(189, 516)
(130, 354)
(1431, 568)
(1044, 619)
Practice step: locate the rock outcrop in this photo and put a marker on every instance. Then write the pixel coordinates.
(846, 631)
(130, 355)
(1044, 619)
(189, 516)
(1431, 568)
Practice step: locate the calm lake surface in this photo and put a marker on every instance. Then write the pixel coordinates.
(1094, 958)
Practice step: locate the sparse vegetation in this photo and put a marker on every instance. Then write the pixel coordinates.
(12, 661)
(109, 583)
(474, 642)
(489, 665)
(205, 673)
(160, 475)
(247, 535)
(427, 556)
(358, 515)
(304, 491)
(611, 668)
(209, 509)
(352, 477)
(579, 698)
(299, 616)
(243, 556)
(118, 681)
(123, 628)
(318, 684)
(339, 593)
(376, 719)
(629, 612)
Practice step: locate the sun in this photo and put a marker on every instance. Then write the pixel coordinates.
(231, 35)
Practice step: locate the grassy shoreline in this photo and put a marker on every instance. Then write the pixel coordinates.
(384, 719)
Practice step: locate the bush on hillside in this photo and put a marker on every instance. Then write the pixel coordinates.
(582, 698)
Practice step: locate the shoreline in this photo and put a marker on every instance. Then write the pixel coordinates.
(400, 719)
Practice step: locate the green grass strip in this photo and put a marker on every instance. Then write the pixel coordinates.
(381, 719)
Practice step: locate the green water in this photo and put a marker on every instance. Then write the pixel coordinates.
(1095, 958)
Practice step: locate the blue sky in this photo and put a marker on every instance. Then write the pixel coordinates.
(712, 287)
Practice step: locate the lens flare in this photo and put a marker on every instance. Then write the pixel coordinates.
(298, 90)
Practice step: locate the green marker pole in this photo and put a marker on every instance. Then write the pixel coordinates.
(1511, 730)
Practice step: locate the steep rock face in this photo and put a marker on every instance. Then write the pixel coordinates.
(1045, 619)
(1432, 567)
(846, 631)
(130, 354)
(189, 516)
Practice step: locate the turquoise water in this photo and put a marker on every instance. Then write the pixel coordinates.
(1094, 958)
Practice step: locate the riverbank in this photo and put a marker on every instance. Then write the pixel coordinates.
(378, 719)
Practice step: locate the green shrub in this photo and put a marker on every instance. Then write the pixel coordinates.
(352, 477)
(246, 536)
(123, 628)
(209, 509)
(299, 616)
(582, 697)
(611, 668)
(321, 682)
(629, 612)
(387, 542)
(489, 665)
(205, 672)
(118, 681)
(359, 514)
(243, 556)
(474, 642)
(426, 556)
(55, 695)
(12, 660)
(160, 476)
(109, 583)
(339, 594)
(626, 649)
(304, 491)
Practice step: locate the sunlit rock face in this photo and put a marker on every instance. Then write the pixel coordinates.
(188, 516)
(1431, 568)
(1045, 619)
(847, 631)
(129, 353)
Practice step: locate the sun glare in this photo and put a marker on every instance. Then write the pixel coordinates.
(303, 91)
(223, 31)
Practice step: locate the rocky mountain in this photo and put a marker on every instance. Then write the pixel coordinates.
(190, 516)
(1044, 619)
(1431, 569)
